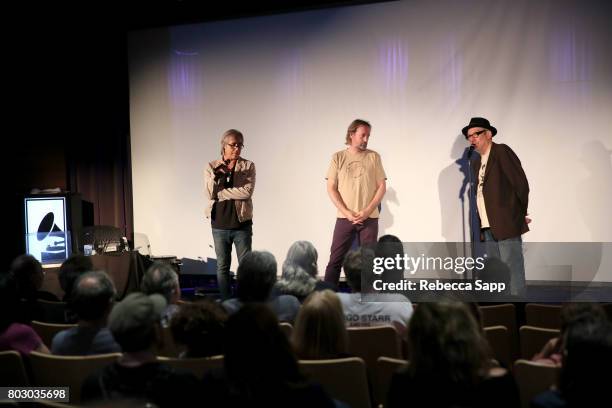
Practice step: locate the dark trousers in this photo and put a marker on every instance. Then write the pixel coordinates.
(344, 234)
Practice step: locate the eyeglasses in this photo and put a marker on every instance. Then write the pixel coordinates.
(235, 145)
(477, 134)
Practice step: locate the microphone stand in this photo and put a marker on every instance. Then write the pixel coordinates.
(470, 195)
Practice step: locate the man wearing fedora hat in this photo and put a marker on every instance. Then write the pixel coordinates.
(502, 196)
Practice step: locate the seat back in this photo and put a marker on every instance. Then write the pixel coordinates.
(66, 371)
(533, 339)
(286, 328)
(197, 366)
(168, 346)
(369, 343)
(12, 370)
(385, 368)
(499, 341)
(533, 378)
(546, 316)
(47, 331)
(503, 315)
(344, 379)
(52, 312)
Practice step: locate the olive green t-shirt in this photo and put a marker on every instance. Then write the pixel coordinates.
(357, 176)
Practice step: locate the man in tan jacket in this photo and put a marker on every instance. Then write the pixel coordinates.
(230, 182)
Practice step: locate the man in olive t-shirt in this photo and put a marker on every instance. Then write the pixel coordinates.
(356, 185)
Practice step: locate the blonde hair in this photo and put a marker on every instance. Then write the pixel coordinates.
(353, 128)
(320, 330)
(232, 132)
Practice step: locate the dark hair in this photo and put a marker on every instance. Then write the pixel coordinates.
(446, 345)
(160, 278)
(28, 273)
(390, 246)
(258, 356)
(70, 270)
(92, 295)
(256, 276)
(358, 267)
(584, 378)
(9, 300)
(200, 326)
(572, 312)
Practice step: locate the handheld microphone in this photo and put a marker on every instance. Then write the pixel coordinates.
(470, 151)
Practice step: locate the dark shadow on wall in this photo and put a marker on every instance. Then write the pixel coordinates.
(457, 200)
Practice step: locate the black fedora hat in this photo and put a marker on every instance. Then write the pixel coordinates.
(479, 122)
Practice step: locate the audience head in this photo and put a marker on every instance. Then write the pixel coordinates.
(135, 321)
(256, 276)
(299, 270)
(587, 358)
(92, 296)
(162, 279)
(320, 329)
(390, 246)
(29, 275)
(445, 343)
(358, 261)
(200, 326)
(71, 269)
(9, 300)
(304, 254)
(258, 355)
(573, 312)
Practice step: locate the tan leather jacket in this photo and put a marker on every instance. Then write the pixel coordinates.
(241, 193)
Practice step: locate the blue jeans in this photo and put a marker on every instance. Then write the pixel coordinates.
(224, 239)
(510, 253)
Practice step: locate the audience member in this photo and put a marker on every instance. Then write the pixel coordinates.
(30, 277)
(92, 300)
(380, 309)
(450, 363)
(200, 327)
(70, 270)
(320, 330)
(584, 380)
(255, 280)
(14, 335)
(299, 275)
(571, 313)
(137, 374)
(160, 278)
(259, 367)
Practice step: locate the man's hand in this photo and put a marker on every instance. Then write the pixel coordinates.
(350, 215)
(527, 219)
(361, 216)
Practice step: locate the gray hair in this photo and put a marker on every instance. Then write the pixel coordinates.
(232, 132)
(303, 254)
(256, 276)
(299, 270)
(160, 278)
(92, 294)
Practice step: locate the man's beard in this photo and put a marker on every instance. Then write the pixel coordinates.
(363, 146)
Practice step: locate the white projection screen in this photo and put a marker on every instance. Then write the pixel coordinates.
(541, 71)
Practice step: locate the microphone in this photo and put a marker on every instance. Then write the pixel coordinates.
(469, 155)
